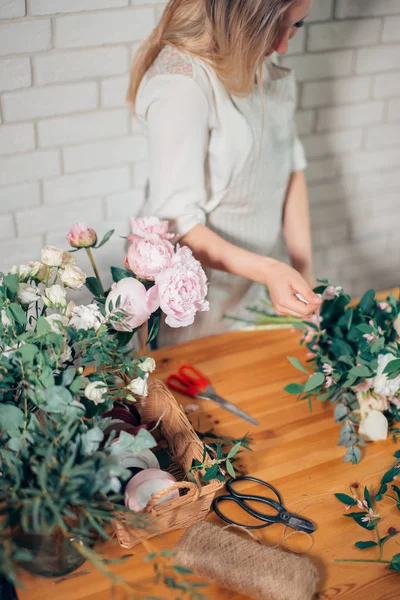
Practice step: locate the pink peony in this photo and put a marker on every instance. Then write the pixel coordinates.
(148, 228)
(81, 236)
(135, 304)
(182, 289)
(148, 257)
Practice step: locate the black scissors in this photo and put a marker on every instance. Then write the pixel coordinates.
(282, 514)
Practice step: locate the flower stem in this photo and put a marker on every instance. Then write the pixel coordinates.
(361, 560)
(96, 272)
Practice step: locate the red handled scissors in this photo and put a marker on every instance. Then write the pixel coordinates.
(191, 382)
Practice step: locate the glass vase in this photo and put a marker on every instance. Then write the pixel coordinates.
(51, 556)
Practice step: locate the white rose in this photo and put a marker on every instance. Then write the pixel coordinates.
(57, 322)
(70, 307)
(52, 256)
(397, 326)
(383, 385)
(148, 365)
(374, 427)
(67, 259)
(138, 386)
(23, 271)
(86, 317)
(95, 391)
(28, 293)
(73, 277)
(5, 320)
(56, 295)
(40, 271)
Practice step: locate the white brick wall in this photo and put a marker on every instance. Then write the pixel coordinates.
(69, 148)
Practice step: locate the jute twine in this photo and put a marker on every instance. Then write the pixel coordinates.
(245, 566)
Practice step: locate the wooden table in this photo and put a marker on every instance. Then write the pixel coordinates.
(293, 449)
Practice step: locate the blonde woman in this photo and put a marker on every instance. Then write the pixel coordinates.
(226, 166)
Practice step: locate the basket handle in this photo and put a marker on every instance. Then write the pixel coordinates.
(175, 486)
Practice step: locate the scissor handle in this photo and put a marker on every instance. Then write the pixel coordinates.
(246, 508)
(240, 496)
(180, 384)
(192, 375)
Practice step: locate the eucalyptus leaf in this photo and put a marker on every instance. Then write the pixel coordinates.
(91, 440)
(18, 313)
(297, 364)
(314, 382)
(294, 388)
(340, 413)
(11, 417)
(142, 441)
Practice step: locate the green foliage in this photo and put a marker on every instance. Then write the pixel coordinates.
(345, 347)
(223, 451)
(369, 520)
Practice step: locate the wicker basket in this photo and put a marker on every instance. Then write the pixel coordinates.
(183, 443)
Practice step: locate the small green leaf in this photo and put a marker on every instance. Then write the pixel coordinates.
(42, 326)
(297, 364)
(395, 564)
(367, 301)
(234, 450)
(182, 570)
(210, 473)
(367, 497)
(345, 499)
(294, 389)
(364, 328)
(314, 382)
(91, 440)
(68, 377)
(11, 417)
(340, 413)
(11, 283)
(94, 286)
(365, 545)
(18, 313)
(360, 371)
(28, 352)
(397, 454)
(230, 469)
(105, 238)
(118, 274)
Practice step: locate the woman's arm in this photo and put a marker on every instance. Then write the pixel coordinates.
(296, 226)
(283, 281)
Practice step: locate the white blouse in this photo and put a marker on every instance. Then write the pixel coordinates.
(219, 160)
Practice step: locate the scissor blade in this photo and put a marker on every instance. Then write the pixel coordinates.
(228, 406)
(300, 524)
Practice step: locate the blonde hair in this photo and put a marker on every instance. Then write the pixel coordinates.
(232, 36)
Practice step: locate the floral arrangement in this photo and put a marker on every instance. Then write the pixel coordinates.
(354, 364)
(64, 368)
(367, 517)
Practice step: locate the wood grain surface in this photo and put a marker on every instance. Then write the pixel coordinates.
(294, 450)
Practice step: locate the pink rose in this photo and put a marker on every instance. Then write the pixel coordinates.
(135, 305)
(81, 236)
(182, 289)
(149, 227)
(148, 257)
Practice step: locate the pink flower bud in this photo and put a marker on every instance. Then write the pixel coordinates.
(81, 236)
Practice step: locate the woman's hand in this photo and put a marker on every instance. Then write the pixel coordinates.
(284, 283)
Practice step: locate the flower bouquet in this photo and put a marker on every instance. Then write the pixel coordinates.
(65, 368)
(355, 364)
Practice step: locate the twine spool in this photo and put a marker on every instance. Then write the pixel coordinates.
(245, 566)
